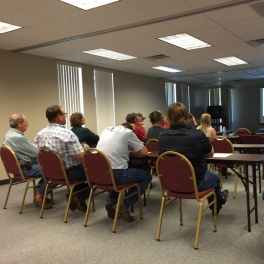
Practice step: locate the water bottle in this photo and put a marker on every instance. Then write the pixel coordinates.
(224, 132)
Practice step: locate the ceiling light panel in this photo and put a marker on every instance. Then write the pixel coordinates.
(230, 61)
(109, 54)
(5, 27)
(168, 68)
(88, 4)
(185, 41)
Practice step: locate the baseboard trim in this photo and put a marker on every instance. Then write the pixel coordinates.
(3, 182)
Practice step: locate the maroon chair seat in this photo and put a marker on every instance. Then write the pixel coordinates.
(56, 174)
(15, 174)
(177, 179)
(100, 178)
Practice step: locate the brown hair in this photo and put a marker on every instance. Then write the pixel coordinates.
(76, 119)
(52, 112)
(177, 114)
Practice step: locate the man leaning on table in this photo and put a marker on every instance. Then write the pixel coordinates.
(26, 152)
(194, 145)
(57, 138)
(116, 143)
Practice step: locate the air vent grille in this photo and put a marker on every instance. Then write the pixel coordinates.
(157, 57)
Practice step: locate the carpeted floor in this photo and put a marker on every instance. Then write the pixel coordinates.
(25, 238)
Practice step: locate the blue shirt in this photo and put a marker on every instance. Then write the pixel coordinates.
(57, 138)
(25, 150)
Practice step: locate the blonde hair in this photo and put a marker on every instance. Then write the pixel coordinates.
(205, 122)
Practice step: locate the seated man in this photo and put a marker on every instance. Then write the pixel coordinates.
(57, 138)
(25, 151)
(194, 145)
(133, 120)
(157, 121)
(116, 143)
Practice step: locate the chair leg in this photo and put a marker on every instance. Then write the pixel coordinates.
(198, 226)
(221, 177)
(68, 205)
(139, 203)
(43, 202)
(235, 186)
(180, 211)
(8, 192)
(160, 218)
(90, 200)
(149, 187)
(117, 211)
(24, 196)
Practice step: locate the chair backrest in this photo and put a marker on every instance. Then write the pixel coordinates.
(176, 173)
(51, 165)
(242, 131)
(222, 145)
(251, 139)
(10, 162)
(98, 168)
(152, 144)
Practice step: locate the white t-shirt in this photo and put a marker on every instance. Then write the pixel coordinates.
(116, 143)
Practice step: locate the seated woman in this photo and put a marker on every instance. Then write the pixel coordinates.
(206, 127)
(84, 134)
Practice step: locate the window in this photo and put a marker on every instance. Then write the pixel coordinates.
(214, 96)
(170, 91)
(104, 99)
(70, 88)
(185, 96)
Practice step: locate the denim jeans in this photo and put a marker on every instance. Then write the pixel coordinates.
(210, 180)
(131, 175)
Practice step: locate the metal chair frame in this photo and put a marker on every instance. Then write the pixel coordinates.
(100, 178)
(177, 179)
(16, 175)
(58, 176)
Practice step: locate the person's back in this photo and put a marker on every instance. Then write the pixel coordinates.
(156, 118)
(206, 127)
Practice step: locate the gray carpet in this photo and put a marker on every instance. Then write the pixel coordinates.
(25, 238)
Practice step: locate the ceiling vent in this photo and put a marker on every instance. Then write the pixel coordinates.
(157, 57)
(257, 42)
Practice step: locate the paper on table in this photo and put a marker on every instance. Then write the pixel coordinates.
(221, 155)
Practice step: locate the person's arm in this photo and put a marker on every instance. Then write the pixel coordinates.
(194, 122)
(79, 156)
(26, 147)
(140, 154)
(210, 154)
(213, 132)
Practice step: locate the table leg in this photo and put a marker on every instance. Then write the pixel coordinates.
(247, 193)
(255, 193)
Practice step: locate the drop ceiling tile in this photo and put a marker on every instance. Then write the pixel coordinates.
(15, 42)
(212, 53)
(191, 23)
(160, 8)
(205, 3)
(248, 30)
(226, 15)
(238, 48)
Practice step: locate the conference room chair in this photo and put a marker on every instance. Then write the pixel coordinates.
(223, 145)
(15, 174)
(54, 172)
(100, 178)
(242, 131)
(151, 145)
(177, 179)
(253, 139)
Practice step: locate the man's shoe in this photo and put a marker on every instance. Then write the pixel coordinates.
(38, 200)
(46, 206)
(72, 204)
(225, 196)
(110, 208)
(124, 212)
(80, 203)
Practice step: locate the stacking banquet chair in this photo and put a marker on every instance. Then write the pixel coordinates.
(253, 139)
(100, 178)
(242, 131)
(54, 172)
(223, 145)
(151, 145)
(15, 174)
(177, 179)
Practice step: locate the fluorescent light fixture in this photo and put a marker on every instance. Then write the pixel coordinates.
(5, 27)
(168, 69)
(185, 41)
(88, 4)
(109, 54)
(230, 61)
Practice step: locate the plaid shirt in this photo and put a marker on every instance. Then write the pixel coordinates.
(57, 138)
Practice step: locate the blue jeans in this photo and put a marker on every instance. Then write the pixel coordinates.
(131, 175)
(35, 171)
(210, 180)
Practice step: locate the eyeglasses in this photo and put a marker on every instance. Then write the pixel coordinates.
(63, 114)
